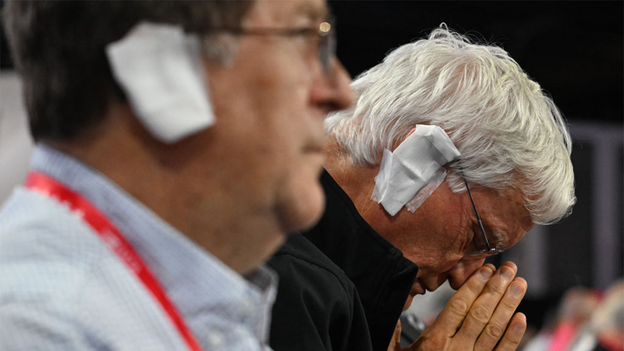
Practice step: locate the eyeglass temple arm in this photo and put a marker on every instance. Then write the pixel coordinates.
(487, 242)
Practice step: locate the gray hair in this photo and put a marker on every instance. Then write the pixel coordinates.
(509, 132)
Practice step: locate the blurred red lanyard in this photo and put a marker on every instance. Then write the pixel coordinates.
(114, 239)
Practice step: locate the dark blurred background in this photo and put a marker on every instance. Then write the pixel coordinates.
(574, 50)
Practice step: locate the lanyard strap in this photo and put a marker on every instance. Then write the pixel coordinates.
(115, 240)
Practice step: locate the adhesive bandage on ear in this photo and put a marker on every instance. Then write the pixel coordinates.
(413, 165)
(426, 191)
(159, 68)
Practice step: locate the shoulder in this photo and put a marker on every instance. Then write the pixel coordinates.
(43, 246)
(300, 263)
(60, 288)
(317, 306)
(42, 243)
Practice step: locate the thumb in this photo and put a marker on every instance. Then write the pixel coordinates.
(395, 342)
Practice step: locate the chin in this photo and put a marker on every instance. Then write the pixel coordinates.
(304, 207)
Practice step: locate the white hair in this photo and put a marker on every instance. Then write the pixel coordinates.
(508, 131)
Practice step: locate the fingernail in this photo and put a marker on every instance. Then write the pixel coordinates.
(506, 273)
(486, 273)
(517, 290)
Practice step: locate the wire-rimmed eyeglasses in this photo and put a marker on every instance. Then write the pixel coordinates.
(480, 251)
(324, 31)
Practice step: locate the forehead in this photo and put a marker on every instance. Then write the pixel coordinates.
(286, 12)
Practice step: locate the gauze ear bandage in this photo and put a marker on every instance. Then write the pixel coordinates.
(159, 67)
(424, 193)
(414, 164)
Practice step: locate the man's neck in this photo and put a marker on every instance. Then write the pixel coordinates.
(357, 181)
(161, 177)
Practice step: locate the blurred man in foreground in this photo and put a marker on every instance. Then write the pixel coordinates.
(178, 143)
(450, 154)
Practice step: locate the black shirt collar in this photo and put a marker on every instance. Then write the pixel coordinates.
(382, 276)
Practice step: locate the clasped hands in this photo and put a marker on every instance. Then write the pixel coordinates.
(479, 316)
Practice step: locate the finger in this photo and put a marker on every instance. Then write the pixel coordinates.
(514, 333)
(395, 343)
(457, 308)
(484, 306)
(500, 319)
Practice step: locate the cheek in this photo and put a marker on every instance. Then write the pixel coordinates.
(442, 244)
(448, 234)
(300, 204)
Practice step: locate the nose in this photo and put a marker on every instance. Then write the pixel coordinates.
(463, 270)
(333, 90)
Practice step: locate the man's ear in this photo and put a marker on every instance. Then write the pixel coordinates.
(412, 165)
(160, 70)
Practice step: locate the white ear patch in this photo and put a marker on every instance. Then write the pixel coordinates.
(414, 163)
(159, 68)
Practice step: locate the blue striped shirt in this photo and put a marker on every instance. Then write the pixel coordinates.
(61, 288)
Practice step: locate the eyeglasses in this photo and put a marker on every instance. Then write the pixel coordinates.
(325, 32)
(488, 250)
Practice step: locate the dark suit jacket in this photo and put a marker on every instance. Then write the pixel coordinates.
(317, 307)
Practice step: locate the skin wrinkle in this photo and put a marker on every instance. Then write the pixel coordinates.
(439, 235)
(498, 242)
(494, 330)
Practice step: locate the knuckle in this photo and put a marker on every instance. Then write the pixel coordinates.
(459, 307)
(494, 330)
(497, 289)
(480, 314)
(511, 341)
(509, 305)
(475, 286)
(514, 340)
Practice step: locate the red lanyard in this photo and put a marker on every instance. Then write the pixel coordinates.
(115, 240)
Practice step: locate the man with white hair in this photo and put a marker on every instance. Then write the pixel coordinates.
(450, 154)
